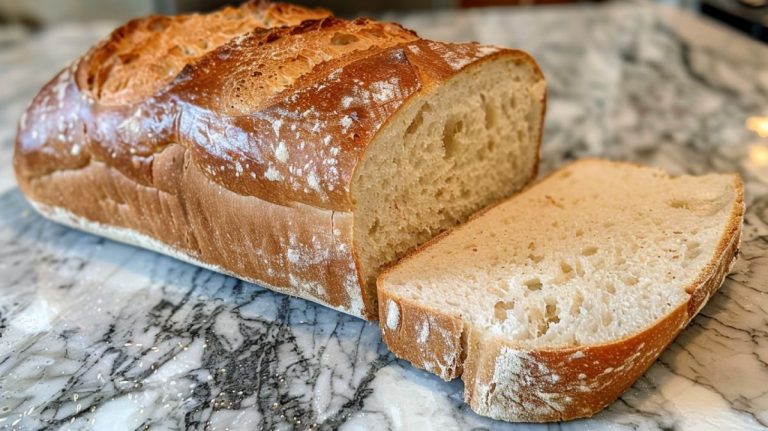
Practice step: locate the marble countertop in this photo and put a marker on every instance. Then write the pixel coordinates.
(95, 334)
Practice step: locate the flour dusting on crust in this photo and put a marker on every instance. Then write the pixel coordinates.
(393, 314)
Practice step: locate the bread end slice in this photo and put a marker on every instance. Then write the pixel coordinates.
(463, 306)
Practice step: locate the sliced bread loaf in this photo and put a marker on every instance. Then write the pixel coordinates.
(552, 303)
(280, 144)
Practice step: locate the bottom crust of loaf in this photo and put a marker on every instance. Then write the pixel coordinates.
(131, 237)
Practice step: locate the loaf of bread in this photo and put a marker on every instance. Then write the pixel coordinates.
(280, 144)
(553, 303)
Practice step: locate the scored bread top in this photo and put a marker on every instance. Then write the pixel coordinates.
(271, 101)
(142, 56)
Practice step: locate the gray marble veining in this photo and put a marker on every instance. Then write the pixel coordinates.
(95, 334)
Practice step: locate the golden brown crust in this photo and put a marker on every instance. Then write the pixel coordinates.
(407, 335)
(542, 385)
(307, 252)
(262, 126)
(142, 56)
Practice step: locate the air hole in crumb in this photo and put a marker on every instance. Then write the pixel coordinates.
(608, 287)
(500, 310)
(451, 130)
(491, 115)
(566, 268)
(579, 269)
(541, 322)
(578, 299)
(374, 227)
(630, 280)
(536, 320)
(678, 203)
(692, 250)
(589, 251)
(579, 232)
(491, 145)
(418, 120)
(535, 258)
(533, 284)
(566, 273)
(552, 314)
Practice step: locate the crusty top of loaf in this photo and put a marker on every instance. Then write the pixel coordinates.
(143, 55)
(281, 113)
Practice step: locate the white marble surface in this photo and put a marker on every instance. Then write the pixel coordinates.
(95, 334)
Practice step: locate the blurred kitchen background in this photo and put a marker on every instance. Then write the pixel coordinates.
(748, 16)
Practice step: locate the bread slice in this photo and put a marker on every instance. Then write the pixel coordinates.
(552, 303)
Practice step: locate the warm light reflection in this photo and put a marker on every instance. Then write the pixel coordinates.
(758, 125)
(758, 154)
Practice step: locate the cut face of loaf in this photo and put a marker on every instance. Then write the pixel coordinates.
(280, 144)
(551, 304)
(449, 153)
